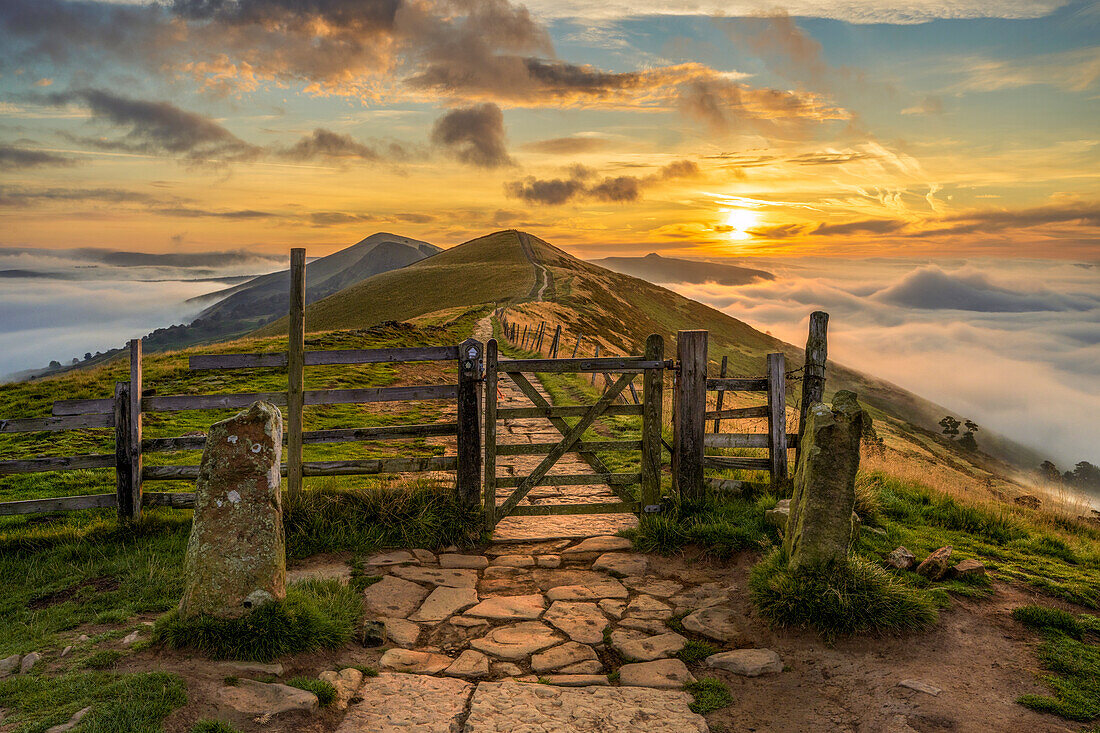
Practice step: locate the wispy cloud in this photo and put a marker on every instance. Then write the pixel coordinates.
(582, 184)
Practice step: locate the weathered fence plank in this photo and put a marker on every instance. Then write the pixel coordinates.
(813, 369)
(564, 411)
(60, 463)
(311, 437)
(532, 449)
(69, 422)
(324, 468)
(739, 384)
(61, 504)
(178, 403)
(689, 406)
(736, 413)
(468, 478)
(491, 448)
(777, 417)
(653, 392)
(744, 440)
(737, 462)
(278, 359)
(573, 479)
(631, 364)
(296, 373)
(84, 407)
(133, 444)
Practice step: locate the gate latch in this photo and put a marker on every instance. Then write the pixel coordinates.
(652, 508)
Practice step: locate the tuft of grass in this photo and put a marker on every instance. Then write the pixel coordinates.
(1070, 657)
(710, 695)
(721, 526)
(696, 651)
(119, 702)
(103, 659)
(315, 614)
(855, 596)
(367, 671)
(324, 691)
(675, 622)
(213, 726)
(613, 677)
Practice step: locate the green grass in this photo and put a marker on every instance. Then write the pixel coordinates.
(103, 659)
(324, 691)
(119, 702)
(316, 614)
(710, 695)
(720, 526)
(212, 726)
(855, 596)
(1070, 653)
(696, 651)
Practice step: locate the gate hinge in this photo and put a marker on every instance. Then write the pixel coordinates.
(652, 508)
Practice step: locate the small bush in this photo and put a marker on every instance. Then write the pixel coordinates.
(104, 659)
(710, 695)
(315, 614)
(213, 726)
(852, 597)
(324, 691)
(697, 651)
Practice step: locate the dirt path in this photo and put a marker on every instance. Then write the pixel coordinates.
(542, 273)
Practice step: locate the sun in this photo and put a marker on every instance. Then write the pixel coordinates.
(740, 221)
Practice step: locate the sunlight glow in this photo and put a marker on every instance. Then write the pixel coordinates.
(740, 221)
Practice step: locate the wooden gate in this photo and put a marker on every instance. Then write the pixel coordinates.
(650, 365)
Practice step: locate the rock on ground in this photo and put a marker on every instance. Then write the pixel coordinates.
(969, 568)
(593, 547)
(393, 597)
(564, 655)
(580, 621)
(249, 697)
(621, 563)
(717, 622)
(237, 495)
(935, 565)
(415, 662)
(504, 707)
(72, 723)
(438, 576)
(28, 662)
(901, 559)
(469, 562)
(400, 703)
(346, 682)
(517, 641)
(401, 632)
(666, 674)
(648, 648)
(504, 608)
(443, 603)
(747, 662)
(470, 663)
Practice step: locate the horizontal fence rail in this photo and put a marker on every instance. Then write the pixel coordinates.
(279, 359)
(312, 437)
(744, 440)
(323, 468)
(68, 422)
(605, 364)
(738, 384)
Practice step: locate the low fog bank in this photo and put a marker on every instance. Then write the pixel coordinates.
(1013, 345)
(61, 304)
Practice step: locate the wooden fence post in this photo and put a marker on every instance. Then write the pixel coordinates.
(124, 487)
(133, 448)
(813, 371)
(296, 376)
(721, 394)
(689, 406)
(653, 394)
(554, 342)
(490, 434)
(542, 331)
(523, 341)
(777, 418)
(576, 346)
(468, 475)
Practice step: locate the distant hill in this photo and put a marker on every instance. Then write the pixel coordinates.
(657, 269)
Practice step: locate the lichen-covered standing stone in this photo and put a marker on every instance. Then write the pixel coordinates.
(236, 556)
(820, 528)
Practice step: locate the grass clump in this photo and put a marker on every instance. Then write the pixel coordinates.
(104, 659)
(213, 726)
(710, 695)
(324, 691)
(119, 702)
(720, 526)
(1070, 654)
(855, 596)
(315, 614)
(696, 651)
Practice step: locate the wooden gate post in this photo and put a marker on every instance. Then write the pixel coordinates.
(689, 405)
(653, 395)
(124, 487)
(554, 342)
(813, 370)
(777, 419)
(490, 434)
(296, 376)
(132, 510)
(576, 346)
(468, 475)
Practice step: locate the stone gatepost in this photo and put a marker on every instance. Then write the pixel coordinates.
(821, 523)
(236, 556)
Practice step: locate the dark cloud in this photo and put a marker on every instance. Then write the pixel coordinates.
(566, 145)
(725, 105)
(784, 47)
(333, 218)
(27, 196)
(15, 158)
(159, 128)
(322, 143)
(932, 288)
(619, 189)
(122, 258)
(1084, 214)
(475, 135)
(187, 212)
(866, 226)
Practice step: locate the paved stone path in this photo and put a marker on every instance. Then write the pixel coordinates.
(471, 636)
(539, 430)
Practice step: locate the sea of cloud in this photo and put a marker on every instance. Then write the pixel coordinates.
(61, 304)
(1011, 344)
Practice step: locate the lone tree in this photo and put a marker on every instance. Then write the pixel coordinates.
(967, 440)
(1049, 472)
(1083, 474)
(950, 426)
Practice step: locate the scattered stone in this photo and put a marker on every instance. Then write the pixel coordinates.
(1029, 501)
(506, 669)
(424, 556)
(648, 648)
(443, 603)
(517, 641)
(498, 572)
(411, 661)
(920, 686)
(877, 530)
(471, 664)
(593, 547)
(901, 559)
(648, 607)
(968, 568)
(548, 561)
(664, 674)
(716, 622)
(701, 596)
(237, 495)
(613, 608)
(252, 698)
(578, 680)
(73, 721)
(401, 632)
(580, 621)
(468, 621)
(470, 562)
(747, 662)
(82, 638)
(934, 566)
(820, 528)
(244, 669)
(649, 626)
(515, 561)
(621, 563)
(131, 638)
(504, 608)
(393, 597)
(778, 515)
(8, 665)
(653, 586)
(590, 666)
(503, 707)
(66, 650)
(438, 576)
(397, 557)
(331, 570)
(589, 591)
(399, 703)
(346, 682)
(28, 662)
(547, 578)
(562, 655)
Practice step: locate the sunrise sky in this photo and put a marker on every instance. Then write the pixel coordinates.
(884, 128)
